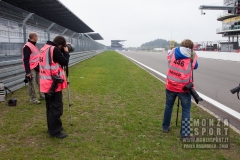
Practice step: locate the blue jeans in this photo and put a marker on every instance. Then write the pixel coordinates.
(186, 106)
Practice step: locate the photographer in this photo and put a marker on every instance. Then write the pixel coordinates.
(181, 61)
(30, 62)
(53, 56)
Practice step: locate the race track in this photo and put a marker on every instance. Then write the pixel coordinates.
(213, 78)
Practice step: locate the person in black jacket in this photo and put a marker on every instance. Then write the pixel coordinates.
(30, 62)
(54, 105)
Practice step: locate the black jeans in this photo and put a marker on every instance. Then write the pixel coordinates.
(54, 106)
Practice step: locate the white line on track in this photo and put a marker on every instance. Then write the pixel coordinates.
(220, 106)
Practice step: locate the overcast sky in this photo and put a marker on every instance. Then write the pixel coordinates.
(140, 21)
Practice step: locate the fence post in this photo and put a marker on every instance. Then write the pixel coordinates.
(64, 31)
(24, 27)
(72, 36)
(48, 30)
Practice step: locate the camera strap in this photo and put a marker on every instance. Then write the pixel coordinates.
(50, 59)
(191, 63)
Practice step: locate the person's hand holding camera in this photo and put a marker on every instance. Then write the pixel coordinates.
(66, 49)
(29, 76)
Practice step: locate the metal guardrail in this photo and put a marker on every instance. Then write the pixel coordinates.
(226, 29)
(12, 73)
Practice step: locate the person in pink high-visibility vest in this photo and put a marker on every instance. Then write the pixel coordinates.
(54, 55)
(181, 61)
(30, 57)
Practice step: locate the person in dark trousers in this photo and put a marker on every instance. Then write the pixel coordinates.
(181, 61)
(54, 55)
(30, 55)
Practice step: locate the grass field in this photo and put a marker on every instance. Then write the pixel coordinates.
(117, 114)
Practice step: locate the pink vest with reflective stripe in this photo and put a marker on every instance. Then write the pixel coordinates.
(179, 72)
(34, 56)
(45, 72)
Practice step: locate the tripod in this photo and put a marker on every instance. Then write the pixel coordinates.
(178, 105)
(69, 100)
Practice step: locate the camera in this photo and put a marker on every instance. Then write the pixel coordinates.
(56, 79)
(27, 79)
(236, 89)
(70, 47)
(189, 87)
(12, 102)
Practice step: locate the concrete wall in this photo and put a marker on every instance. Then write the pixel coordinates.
(230, 56)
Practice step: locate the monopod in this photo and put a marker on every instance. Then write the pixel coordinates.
(69, 100)
(178, 104)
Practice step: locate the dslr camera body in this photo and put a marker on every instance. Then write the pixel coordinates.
(56, 79)
(27, 79)
(70, 47)
(189, 87)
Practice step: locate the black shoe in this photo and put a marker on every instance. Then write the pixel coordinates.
(49, 133)
(60, 135)
(166, 130)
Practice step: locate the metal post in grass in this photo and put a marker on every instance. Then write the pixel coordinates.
(69, 99)
(177, 111)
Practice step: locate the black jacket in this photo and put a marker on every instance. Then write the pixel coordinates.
(26, 53)
(59, 55)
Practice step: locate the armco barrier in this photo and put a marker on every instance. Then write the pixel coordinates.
(12, 73)
(230, 56)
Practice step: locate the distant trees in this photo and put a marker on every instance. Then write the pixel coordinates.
(158, 43)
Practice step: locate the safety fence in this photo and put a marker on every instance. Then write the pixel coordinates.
(15, 26)
(12, 73)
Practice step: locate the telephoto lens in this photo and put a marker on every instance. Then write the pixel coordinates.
(234, 90)
(70, 47)
(27, 79)
(196, 97)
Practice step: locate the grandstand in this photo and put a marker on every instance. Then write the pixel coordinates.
(117, 44)
(230, 18)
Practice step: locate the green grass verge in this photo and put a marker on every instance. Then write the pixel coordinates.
(117, 114)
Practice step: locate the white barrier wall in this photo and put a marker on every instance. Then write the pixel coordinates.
(230, 56)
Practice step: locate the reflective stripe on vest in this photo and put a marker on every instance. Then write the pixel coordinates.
(181, 70)
(50, 77)
(178, 80)
(33, 60)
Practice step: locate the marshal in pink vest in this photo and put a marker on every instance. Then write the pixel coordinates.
(45, 70)
(179, 72)
(34, 56)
